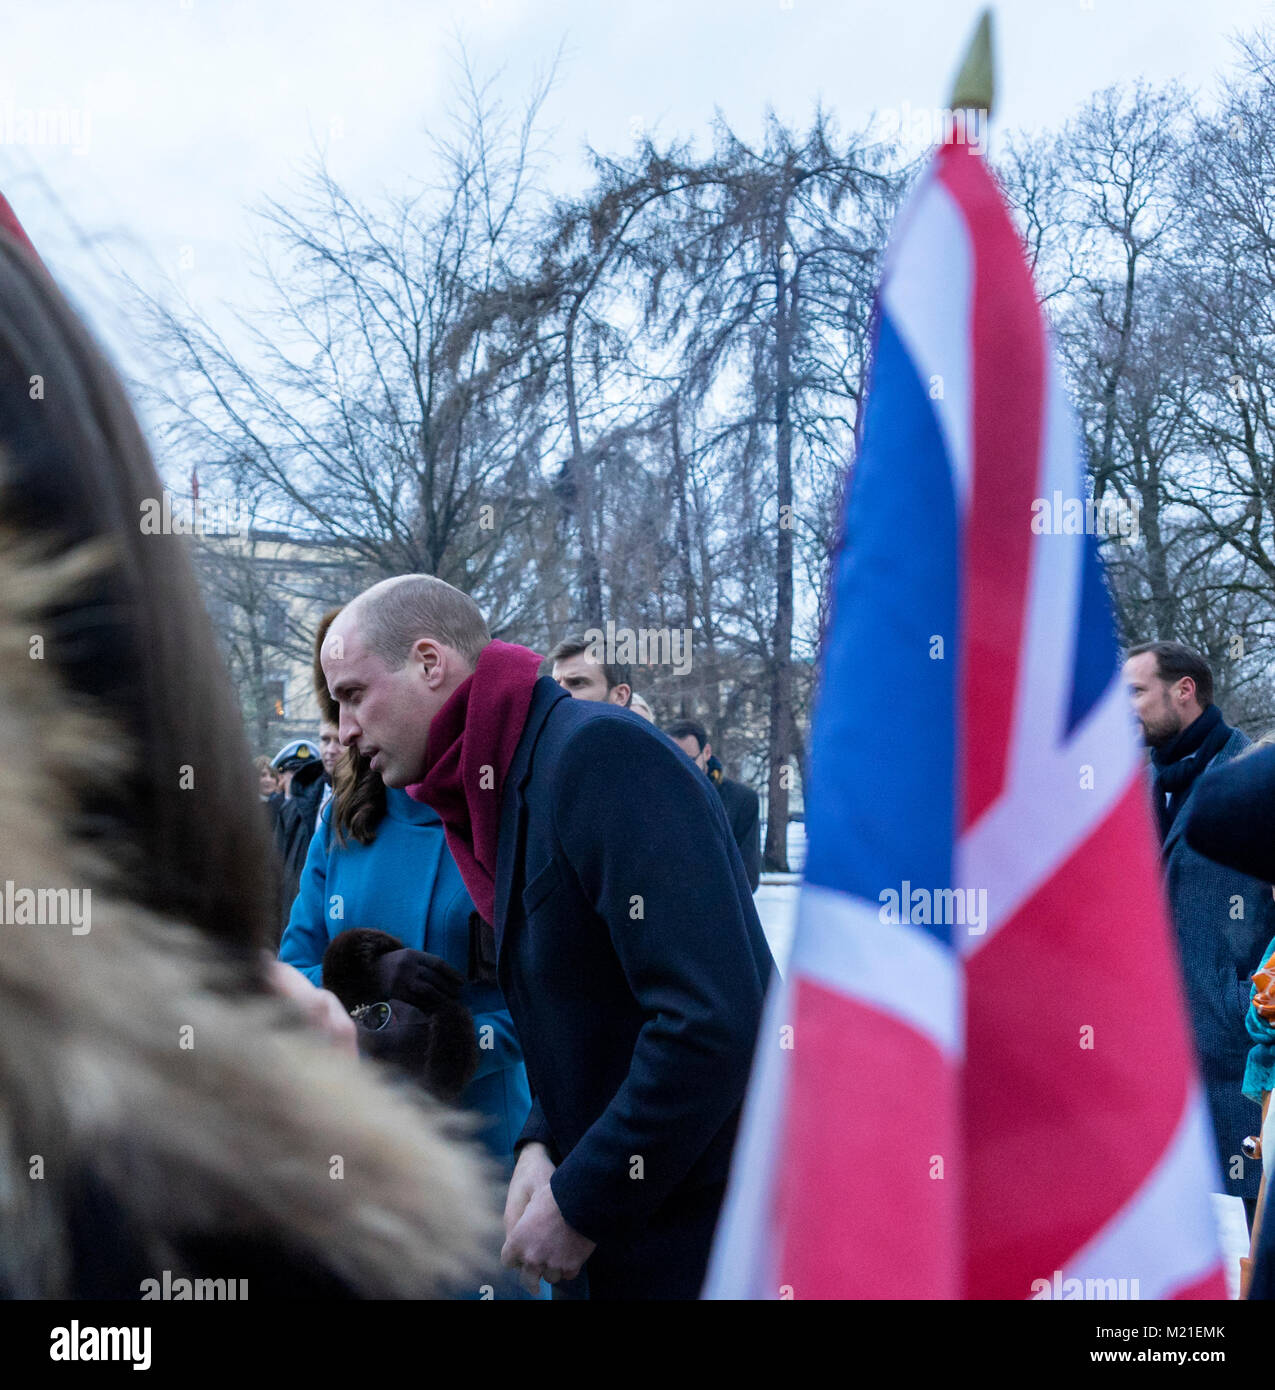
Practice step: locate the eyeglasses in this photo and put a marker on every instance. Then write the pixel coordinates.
(371, 1016)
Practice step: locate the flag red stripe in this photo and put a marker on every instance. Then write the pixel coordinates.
(1060, 1134)
(9, 221)
(867, 1194)
(1008, 379)
(1213, 1285)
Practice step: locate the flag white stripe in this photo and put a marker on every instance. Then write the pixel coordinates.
(1160, 1239)
(1053, 596)
(1027, 834)
(1057, 791)
(902, 970)
(744, 1259)
(927, 293)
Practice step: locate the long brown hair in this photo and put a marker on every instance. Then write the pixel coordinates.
(186, 835)
(358, 794)
(126, 774)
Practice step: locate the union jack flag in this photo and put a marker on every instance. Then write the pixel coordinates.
(9, 222)
(975, 1078)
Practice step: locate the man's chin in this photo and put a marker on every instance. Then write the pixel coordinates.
(398, 779)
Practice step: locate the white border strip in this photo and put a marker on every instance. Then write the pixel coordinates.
(841, 942)
(744, 1262)
(1165, 1237)
(928, 293)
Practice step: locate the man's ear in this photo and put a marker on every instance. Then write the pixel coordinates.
(622, 695)
(426, 655)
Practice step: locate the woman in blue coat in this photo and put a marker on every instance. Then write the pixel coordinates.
(379, 859)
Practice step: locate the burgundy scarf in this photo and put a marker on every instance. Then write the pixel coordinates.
(470, 745)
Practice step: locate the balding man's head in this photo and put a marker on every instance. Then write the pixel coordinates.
(392, 659)
(394, 614)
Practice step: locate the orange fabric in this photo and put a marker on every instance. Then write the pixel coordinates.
(1264, 999)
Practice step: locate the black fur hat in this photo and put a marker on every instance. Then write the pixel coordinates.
(348, 964)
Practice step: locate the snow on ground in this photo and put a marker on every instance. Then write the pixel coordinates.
(776, 898)
(1232, 1232)
(776, 901)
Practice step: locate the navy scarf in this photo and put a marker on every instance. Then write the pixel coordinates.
(1179, 762)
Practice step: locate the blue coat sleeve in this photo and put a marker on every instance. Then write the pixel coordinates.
(499, 1048)
(658, 866)
(306, 936)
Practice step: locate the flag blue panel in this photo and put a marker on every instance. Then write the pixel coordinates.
(1096, 656)
(881, 800)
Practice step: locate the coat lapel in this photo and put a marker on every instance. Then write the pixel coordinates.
(513, 811)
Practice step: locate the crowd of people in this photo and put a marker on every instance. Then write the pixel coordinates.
(1214, 800)
(182, 1099)
(515, 884)
(377, 910)
(379, 850)
(521, 964)
(466, 1004)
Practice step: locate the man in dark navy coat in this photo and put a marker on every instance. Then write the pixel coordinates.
(628, 947)
(743, 806)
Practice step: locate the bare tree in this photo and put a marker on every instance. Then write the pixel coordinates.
(374, 398)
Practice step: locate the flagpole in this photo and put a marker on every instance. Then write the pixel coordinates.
(975, 85)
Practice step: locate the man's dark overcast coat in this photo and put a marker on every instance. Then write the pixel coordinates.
(634, 966)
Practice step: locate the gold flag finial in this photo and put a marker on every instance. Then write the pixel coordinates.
(974, 87)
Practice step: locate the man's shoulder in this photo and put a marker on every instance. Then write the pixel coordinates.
(736, 793)
(583, 726)
(1237, 742)
(585, 738)
(1231, 749)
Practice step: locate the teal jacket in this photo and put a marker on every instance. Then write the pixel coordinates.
(1259, 1072)
(406, 883)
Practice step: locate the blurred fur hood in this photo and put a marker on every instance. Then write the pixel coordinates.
(132, 1055)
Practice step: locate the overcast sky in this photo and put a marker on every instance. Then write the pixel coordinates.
(183, 114)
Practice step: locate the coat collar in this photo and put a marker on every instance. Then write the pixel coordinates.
(512, 812)
(1233, 745)
(400, 806)
(546, 694)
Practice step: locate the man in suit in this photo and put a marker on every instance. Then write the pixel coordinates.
(628, 948)
(743, 806)
(583, 678)
(1223, 918)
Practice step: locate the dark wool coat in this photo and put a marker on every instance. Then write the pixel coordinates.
(633, 963)
(1224, 920)
(743, 811)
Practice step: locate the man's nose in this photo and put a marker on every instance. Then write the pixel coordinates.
(348, 729)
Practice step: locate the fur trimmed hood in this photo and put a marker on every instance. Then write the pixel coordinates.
(131, 1054)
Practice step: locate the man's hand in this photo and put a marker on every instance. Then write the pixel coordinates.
(532, 1172)
(541, 1244)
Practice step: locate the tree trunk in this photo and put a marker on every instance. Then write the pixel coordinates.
(580, 491)
(775, 851)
